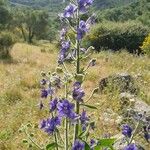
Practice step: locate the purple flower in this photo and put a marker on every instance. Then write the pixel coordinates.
(83, 4)
(146, 133)
(43, 124)
(83, 26)
(78, 92)
(147, 136)
(44, 93)
(127, 130)
(82, 29)
(69, 11)
(43, 82)
(66, 109)
(131, 147)
(50, 125)
(78, 145)
(92, 143)
(65, 45)
(50, 90)
(84, 118)
(63, 34)
(53, 104)
(77, 85)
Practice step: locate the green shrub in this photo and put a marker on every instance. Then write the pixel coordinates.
(116, 36)
(6, 42)
(146, 45)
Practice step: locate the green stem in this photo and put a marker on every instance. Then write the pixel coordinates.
(135, 130)
(77, 106)
(55, 134)
(66, 122)
(56, 140)
(66, 134)
(29, 137)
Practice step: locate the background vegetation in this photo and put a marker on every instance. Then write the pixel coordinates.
(121, 25)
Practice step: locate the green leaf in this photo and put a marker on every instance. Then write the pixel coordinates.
(89, 106)
(105, 143)
(84, 133)
(51, 146)
(87, 147)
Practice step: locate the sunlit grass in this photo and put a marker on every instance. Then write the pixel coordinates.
(19, 88)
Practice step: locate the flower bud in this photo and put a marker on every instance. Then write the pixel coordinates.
(79, 77)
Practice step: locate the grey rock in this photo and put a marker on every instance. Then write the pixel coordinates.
(122, 82)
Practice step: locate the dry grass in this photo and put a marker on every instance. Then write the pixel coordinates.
(19, 88)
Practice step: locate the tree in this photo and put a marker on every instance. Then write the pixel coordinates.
(32, 23)
(5, 16)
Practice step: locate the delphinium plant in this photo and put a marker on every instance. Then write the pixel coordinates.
(68, 121)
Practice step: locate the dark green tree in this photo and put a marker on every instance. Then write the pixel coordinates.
(32, 23)
(5, 15)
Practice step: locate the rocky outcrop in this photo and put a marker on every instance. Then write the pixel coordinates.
(121, 82)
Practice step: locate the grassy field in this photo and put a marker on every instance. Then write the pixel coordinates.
(19, 89)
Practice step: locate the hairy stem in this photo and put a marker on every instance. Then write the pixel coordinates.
(77, 106)
(66, 122)
(135, 130)
(66, 134)
(29, 137)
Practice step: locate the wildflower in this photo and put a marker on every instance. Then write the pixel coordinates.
(43, 124)
(78, 92)
(146, 133)
(83, 4)
(77, 85)
(44, 93)
(43, 82)
(84, 118)
(50, 125)
(78, 145)
(66, 109)
(82, 29)
(92, 143)
(63, 34)
(50, 91)
(53, 104)
(131, 147)
(65, 46)
(69, 11)
(127, 130)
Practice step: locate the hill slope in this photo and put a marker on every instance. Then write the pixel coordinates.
(53, 4)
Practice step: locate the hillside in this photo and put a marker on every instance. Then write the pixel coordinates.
(55, 5)
(19, 88)
(137, 10)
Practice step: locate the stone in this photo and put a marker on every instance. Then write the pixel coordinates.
(122, 82)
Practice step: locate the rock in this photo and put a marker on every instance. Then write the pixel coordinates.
(127, 100)
(121, 143)
(121, 82)
(141, 107)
